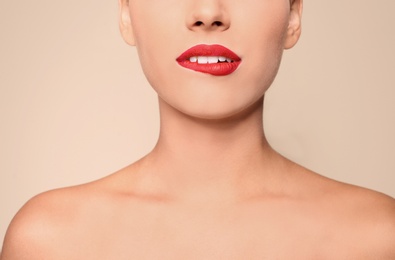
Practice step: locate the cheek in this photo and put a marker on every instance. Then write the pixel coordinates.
(155, 40)
(267, 43)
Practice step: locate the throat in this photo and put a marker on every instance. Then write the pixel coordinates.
(195, 155)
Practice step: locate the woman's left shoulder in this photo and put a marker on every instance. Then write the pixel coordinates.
(371, 218)
(376, 205)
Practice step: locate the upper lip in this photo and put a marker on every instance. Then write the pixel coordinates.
(208, 50)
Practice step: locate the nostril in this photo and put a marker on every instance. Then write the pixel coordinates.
(217, 23)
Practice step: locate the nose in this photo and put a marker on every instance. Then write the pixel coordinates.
(208, 15)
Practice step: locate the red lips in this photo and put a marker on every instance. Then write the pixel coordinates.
(212, 59)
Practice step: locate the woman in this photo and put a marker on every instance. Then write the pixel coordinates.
(212, 188)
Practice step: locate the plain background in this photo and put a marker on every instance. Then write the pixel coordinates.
(74, 105)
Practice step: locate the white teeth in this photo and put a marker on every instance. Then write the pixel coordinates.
(212, 59)
(209, 59)
(202, 59)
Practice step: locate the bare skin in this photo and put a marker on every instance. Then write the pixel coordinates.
(265, 207)
(212, 188)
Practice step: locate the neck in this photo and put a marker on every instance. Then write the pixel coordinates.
(198, 157)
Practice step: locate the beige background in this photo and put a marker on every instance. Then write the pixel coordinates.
(74, 105)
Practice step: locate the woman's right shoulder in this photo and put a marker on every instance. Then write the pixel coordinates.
(37, 225)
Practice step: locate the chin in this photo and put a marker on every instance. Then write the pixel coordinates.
(220, 111)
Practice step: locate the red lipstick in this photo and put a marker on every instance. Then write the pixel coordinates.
(212, 59)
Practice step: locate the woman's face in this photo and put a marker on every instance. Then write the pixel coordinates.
(251, 34)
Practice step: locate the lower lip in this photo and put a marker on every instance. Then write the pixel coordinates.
(215, 69)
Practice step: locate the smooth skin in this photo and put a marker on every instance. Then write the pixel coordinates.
(212, 188)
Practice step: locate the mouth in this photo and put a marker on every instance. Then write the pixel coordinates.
(216, 60)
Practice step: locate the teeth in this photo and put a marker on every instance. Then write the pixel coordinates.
(202, 60)
(209, 59)
(212, 59)
(222, 59)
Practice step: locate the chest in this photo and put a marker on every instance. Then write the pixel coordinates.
(198, 241)
(234, 234)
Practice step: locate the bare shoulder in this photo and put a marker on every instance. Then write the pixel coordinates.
(364, 219)
(34, 226)
(374, 215)
(43, 220)
(63, 223)
(365, 204)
